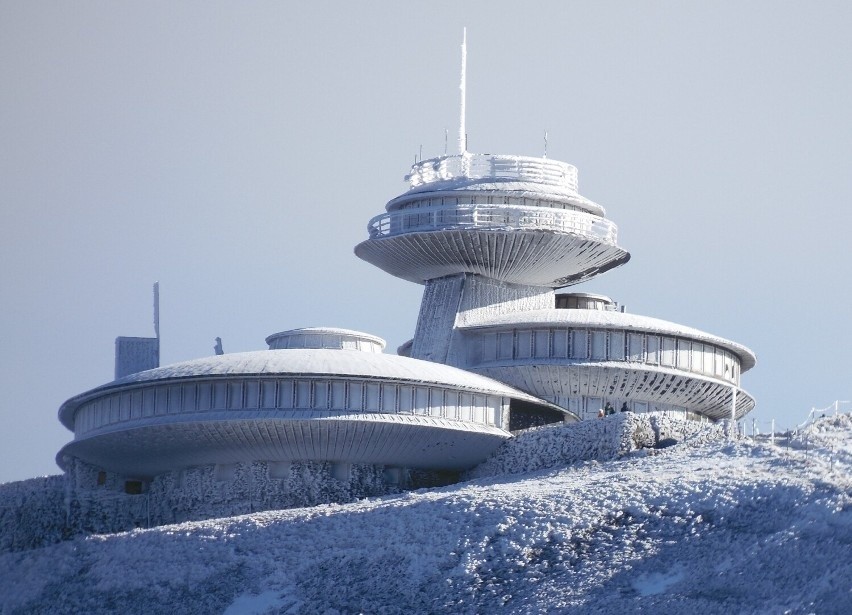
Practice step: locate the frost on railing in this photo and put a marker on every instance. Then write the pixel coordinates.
(552, 173)
(493, 217)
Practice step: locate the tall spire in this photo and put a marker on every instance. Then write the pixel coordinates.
(462, 128)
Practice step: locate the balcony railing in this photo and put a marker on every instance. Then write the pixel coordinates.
(493, 217)
(551, 173)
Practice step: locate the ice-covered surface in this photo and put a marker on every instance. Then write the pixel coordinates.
(556, 176)
(606, 319)
(313, 362)
(605, 439)
(718, 527)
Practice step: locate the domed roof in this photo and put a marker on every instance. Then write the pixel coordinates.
(307, 363)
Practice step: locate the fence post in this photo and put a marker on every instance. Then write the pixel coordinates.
(733, 411)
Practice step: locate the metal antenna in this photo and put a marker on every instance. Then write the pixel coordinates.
(462, 87)
(446, 135)
(545, 144)
(157, 310)
(157, 318)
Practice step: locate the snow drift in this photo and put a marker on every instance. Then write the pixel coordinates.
(716, 527)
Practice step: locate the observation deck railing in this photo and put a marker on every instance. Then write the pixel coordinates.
(493, 217)
(551, 173)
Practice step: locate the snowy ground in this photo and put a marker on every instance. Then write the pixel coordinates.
(701, 527)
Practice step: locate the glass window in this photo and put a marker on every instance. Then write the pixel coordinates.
(355, 393)
(338, 395)
(124, 406)
(504, 343)
(720, 363)
(524, 344)
(389, 398)
(174, 399)
(149, 401)
(188, 398)
(708, 359)
(598, 344)
(371, 397)
(114, 409)
(542, 343)
(220, 395)
(406, 394)
(634, 349)
(616, 345)
(320, 394)
(579, 344)
(697, 357)
(235, 395)
(683, 350)
(451, 404)
(474, 350)
(421, 400)
(303, 394)
(268, 394)
(667, 357)
(205, 397)
(286, 394)
(465, 403)
(560, 344)
(489, 347)
(653, 343)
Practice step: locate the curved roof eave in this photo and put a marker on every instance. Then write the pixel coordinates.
(308, 363)
(611, 320)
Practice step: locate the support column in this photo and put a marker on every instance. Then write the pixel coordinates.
(462, 300)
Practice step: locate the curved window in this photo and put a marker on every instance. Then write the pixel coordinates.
(253, 394)
(559, 344)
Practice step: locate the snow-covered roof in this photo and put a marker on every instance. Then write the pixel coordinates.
(604, 319)
(309, 363)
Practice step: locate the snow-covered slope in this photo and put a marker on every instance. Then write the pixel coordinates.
(713, 527)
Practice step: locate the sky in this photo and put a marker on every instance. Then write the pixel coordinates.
(235, 152)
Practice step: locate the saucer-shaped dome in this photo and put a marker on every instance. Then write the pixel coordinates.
(515, 219)
(292, 405)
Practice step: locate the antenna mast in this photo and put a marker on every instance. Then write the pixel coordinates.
(462, 129)
(157, 310)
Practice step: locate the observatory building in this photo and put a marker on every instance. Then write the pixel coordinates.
(496, 349)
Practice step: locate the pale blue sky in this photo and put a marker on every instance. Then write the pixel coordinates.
(236, 151)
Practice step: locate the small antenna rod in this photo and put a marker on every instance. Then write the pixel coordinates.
(445, 140)
(545, 144)
(462, 87)
(157, 310)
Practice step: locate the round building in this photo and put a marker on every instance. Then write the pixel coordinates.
(318, 395)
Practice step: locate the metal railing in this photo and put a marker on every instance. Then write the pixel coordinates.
(493, 217)
(499, 167)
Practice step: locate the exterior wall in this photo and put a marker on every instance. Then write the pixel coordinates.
(347, 396)
(594, 345)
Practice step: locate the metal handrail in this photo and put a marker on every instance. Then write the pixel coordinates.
(500, 167)
(493, 217)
